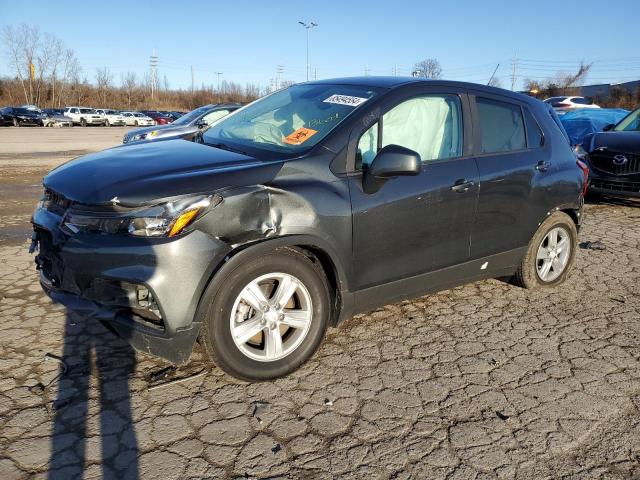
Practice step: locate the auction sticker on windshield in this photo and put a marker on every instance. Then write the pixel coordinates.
(300, 136)
(345, 100)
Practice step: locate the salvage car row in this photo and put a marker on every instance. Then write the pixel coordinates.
(30, 115)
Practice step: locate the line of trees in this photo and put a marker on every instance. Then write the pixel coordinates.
(48, 74)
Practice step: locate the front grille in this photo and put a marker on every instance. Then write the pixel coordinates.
(55, 202)
(629, 187)
(604, 161)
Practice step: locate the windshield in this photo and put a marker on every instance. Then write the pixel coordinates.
(290, 121)
(87, 110)
(22, 111)
(139, 114)
(630, 123)
(191, 116)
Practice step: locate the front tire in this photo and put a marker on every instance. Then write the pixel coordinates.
(83, 122)
(550, 254)
(267, 317)
(107, 124)
(16, 123)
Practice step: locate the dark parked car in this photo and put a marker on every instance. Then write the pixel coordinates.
(160, 118)
(18, 116)
(305, 207)
(613, 157)
(173, 115)
(185, 127)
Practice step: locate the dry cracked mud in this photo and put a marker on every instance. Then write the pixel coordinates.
(481, 381)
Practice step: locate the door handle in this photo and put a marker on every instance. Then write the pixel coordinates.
(462, 185)
(543, 166)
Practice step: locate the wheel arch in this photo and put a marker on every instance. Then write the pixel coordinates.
(312, 247)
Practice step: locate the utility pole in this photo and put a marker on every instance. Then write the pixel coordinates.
(193, 80)
(395, 69)
(279, 72)
(218, 75)
(514, 70)
(315, 73)
(366, 71)
(153, 63)
(308, 26)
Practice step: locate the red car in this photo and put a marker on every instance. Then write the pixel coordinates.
(160, 118)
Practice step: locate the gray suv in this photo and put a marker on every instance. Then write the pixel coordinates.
(306, 207)
(186, 127)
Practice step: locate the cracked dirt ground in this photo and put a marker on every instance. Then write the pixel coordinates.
(481, 381)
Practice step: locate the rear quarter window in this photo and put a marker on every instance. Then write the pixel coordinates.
(535, 138)
(501, 126)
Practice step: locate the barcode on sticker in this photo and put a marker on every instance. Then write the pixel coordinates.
(345, 100)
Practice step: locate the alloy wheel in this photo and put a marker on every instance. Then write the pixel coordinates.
(271, 317)
(553, 254)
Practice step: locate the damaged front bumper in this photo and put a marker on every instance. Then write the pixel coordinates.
(145, 289)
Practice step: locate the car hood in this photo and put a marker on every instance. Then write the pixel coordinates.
(146, 173)
(623, 142)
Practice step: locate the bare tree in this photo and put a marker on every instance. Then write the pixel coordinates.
(568, 80)
(103, 81)
(69, 66)
(428, 68)
(56, 48)
(129, 83)
(20, 49)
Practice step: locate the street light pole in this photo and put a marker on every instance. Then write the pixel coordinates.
(308, 26)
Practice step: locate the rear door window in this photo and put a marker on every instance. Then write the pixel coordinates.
(213, 117)
(501, 126)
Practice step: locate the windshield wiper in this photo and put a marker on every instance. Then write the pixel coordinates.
(224, 146)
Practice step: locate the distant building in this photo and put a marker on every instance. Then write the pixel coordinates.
(600, 90)
(603, 90)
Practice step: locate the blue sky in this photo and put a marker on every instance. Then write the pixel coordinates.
(247, 40)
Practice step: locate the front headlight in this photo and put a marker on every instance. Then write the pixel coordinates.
(145, 135)
(171, 218)
(163, 220)
(580, 152)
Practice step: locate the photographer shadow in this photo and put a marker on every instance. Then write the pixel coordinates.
(93, 433)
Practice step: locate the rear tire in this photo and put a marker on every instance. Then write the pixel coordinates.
(547, 261)
(275, 346)
(16, 123)
(136, 123)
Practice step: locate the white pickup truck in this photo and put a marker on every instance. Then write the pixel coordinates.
(84, 116)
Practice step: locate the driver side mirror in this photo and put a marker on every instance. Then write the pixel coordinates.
(608, 127)
(391, 161)
(201, 124)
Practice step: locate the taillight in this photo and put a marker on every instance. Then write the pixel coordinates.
(585, 173)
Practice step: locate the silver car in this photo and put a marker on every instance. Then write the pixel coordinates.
(186, 126)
